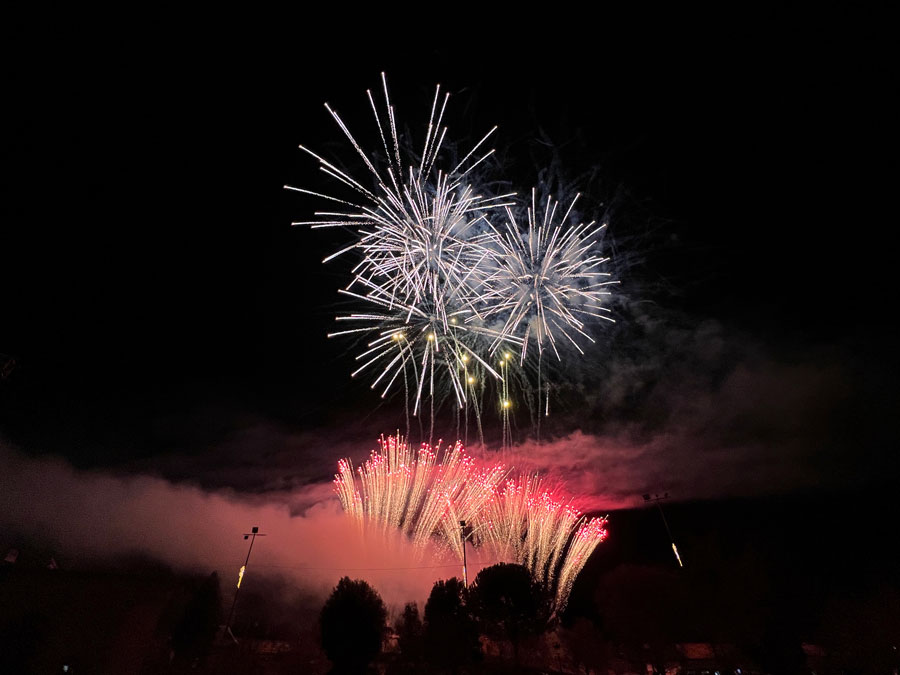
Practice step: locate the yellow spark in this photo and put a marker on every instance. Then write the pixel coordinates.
(677, 557)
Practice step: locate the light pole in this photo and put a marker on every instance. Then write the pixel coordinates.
(254, 533)
(658, 499)
(462, 527)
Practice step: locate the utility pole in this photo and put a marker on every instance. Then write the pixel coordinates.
(658, 499)
(462, 527)
(252, 535)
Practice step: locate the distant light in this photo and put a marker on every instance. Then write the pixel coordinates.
(506, 403)
(471, 380)
(465, 358)
(678, 557)
(431, 336)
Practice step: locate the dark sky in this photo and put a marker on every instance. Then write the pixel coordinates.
(155, 295)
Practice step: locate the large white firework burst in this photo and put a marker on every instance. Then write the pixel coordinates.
(446, 295)
(425, 246)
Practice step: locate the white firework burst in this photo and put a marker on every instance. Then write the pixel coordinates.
(425, 245)
(447, 299)
(549, 284)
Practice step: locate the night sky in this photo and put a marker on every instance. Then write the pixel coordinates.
(166, 319)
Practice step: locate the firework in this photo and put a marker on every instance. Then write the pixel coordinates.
(413, 492)
(445, 294)
(424, 497)
(548, 283)
(423, 243)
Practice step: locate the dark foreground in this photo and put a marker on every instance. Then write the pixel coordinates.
(775, 585)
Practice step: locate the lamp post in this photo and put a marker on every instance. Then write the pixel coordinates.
(462, 527)
(252, 535)
(658, 499)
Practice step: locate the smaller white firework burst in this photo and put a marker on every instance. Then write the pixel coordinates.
(550, 281)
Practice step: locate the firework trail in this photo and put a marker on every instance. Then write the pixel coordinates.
(519, 520)
(413, 492)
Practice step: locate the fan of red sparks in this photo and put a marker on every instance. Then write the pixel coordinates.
(426, 493)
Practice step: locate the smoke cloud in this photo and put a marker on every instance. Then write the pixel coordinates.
(693, 409)
(95, 515)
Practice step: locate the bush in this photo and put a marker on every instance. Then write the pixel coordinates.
(508, 603)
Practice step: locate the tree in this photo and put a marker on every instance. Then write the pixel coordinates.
(586, 646)
(411, 635)
(508, 603)
(645, 611)
(451, 635)
(194, 633)
(353, 622)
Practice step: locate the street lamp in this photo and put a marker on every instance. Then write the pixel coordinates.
(462, 528)
(252, 535)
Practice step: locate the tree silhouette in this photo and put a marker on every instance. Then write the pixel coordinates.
(451, 635)
(353, 622)
(508, 603)
(645, 610)
(586, 646)
(194, 633)
(411, 636)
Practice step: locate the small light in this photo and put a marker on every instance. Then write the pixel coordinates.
(241, 575)
(506, 404)
(465, 358)
(506, 356)
(453, 320)
(471, 380)
(431, 336)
